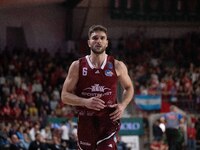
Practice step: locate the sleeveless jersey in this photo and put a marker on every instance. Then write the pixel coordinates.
(95, 128)
(93, 81)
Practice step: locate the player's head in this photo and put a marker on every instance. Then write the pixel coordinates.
(95, 28)
(172, 108)
(97, 39)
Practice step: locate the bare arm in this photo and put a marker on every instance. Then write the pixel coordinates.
(125, 82)
(69, 86)
(128, 92)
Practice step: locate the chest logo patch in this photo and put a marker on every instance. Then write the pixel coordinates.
(108, 73)
(110, 65)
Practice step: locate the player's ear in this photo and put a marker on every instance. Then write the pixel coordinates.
(89, 43)
(107, 43)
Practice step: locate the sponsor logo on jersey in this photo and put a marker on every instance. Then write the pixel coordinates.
(97, 88)
(85, 143)
(110, 145)
(108, 73)
(110, 65)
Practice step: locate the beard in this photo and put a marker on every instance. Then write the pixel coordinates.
(98, 50)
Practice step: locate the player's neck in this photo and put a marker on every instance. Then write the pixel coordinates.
(97, 60)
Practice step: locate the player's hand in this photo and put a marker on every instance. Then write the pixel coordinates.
(117, 114)
(95, 103)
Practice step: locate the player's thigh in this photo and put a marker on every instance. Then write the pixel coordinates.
(87, 135)
(109, 144)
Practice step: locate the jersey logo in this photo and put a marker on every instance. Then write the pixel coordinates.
(85, 143)
(108, 73)
(110, 65)
(97, 72)
(110, 145)
(97, 88)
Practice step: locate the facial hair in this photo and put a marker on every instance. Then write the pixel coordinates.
(98, 50)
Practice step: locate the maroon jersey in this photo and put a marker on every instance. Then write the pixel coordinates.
(101, 81)
(95, 128)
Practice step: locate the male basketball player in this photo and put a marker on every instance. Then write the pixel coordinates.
(91, 85)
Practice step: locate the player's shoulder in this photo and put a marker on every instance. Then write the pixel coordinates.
(120, 67)
(75, 65)
(119, 63)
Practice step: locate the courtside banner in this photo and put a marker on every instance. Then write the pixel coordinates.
(148, 102)
(131, 126)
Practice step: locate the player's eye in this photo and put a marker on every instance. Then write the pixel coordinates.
(103, 38)
(95, 38)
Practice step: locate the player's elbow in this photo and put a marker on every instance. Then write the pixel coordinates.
(130, 90)
(64, 97)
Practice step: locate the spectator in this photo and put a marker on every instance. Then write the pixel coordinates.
(191, 133)
(38, 143)
(157, 131)
(182, 132)
(26, 140)
(56, 144)
(47, 134)
(162, 125)
(65, 134)
(172, 119)
(16, 143)
(34, 130)
(4, 140)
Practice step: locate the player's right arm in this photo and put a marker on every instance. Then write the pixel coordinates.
(69, 86)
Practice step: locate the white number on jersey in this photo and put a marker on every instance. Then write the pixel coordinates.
(84, 72)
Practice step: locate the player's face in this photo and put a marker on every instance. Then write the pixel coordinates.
(98, 42)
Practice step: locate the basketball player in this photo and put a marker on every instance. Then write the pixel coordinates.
(91, 85)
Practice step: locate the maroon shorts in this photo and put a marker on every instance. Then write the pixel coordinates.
(97, 132)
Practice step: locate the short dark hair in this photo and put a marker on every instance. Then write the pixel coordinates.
(94, 28)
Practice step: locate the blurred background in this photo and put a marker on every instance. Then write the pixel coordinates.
(158, 40)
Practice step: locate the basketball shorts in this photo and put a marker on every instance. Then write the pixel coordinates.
(97, 133)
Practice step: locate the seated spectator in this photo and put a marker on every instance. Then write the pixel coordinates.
(16, 144)
(38, 143)
(4, 140)
(56, 144)
(47, 134)
(26, 141)
(35, 129)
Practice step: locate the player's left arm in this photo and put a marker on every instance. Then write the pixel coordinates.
(128, 91)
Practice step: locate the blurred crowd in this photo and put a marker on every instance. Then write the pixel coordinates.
(30, 85)
(26, 135)
(31, 80)
(167, 67)
(174, 130)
